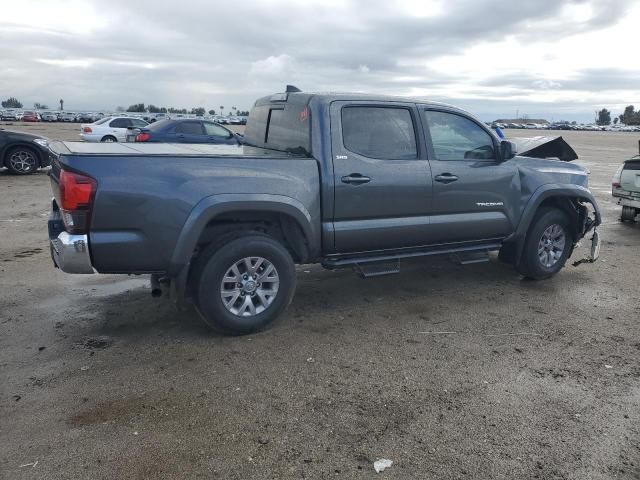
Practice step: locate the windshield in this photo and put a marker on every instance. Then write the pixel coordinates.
(102, 120)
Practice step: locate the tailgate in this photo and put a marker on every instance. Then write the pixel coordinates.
(630, 178)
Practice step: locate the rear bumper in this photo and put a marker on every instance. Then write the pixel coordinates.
(70, 253)
(629, 201)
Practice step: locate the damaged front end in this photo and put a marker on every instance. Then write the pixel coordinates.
(585, 224)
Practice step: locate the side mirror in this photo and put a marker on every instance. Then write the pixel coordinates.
(508, 150)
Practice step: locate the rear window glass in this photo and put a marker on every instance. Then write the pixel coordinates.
(284, 127)
(159, 125)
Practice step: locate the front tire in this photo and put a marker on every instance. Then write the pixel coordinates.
(244, 286)
(22, 161)
(548, 245)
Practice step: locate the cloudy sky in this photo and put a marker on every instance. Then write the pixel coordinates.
(545, 58)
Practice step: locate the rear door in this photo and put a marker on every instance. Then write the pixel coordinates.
(475, 195)
(118, 128)
(190, 132)
(382, 195)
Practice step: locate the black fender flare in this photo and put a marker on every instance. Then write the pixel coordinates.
(214, 205)
(544, 192)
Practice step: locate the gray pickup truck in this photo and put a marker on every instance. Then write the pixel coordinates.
(343, 180)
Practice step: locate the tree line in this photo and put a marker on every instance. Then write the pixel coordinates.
(141, 108)
(629, 117)
(13, 102)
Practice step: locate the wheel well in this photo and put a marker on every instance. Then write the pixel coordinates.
(281, 227)
(573, 207)
(108, 136)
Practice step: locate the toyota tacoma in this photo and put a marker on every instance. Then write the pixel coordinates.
(347, 181)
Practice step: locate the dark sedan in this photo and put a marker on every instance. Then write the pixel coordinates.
(187, 131)
(23, 153)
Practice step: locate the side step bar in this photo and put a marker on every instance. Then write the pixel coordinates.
(466, 253)
(377, 269)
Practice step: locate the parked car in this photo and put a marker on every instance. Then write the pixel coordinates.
(67, 117)
(9, 115)
(86, 117)
(29, 116)
(347, 181)
(626, 188)
(110, 129)
(23, 153)
(49, 116)
(186, 131)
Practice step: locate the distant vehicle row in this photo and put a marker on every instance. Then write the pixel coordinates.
(178, 130)
(567, 126)
(16, 115)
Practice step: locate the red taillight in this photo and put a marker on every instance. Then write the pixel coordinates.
(143, 137)
(76, 199)
(76, 191)
(86, 129)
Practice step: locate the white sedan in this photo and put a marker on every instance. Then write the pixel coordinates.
(110, 129)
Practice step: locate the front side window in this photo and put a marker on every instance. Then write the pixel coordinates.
(216, 130)
(189, 128)
(379, 132)
(457, 138)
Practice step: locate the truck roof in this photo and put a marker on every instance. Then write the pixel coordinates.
(328, 97)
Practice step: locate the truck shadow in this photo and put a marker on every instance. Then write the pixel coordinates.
(323, 298)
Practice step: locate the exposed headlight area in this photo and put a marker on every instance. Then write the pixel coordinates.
(42, 142)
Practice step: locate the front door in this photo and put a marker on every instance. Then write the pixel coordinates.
(382, 179)
(475, 195)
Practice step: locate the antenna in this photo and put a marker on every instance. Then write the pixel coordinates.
(292, 89)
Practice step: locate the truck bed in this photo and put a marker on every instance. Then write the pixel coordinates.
(147, 192)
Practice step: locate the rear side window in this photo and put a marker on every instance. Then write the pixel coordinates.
(190, 128)
(120, 123)
(138, 123)
(457, 138)
(379, 132)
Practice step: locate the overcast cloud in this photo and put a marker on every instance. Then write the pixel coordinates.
(546, 58)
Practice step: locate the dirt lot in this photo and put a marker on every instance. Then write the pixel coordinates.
(450, 371)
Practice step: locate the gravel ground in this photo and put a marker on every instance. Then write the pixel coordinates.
(450, 371)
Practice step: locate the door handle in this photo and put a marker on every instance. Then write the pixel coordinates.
(445, 178)
(355, 179)
(180, 135)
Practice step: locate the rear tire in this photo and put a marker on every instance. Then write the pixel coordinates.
(548, 244)
(233, 298)
(22, 161)
(109, 139)
(628, 214)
